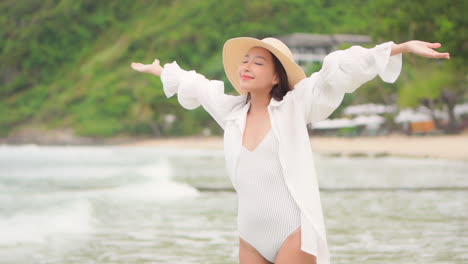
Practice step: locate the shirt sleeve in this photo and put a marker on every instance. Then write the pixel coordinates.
(194, 89)
(343, 71)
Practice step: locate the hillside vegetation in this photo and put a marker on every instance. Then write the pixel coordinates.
(66, 63)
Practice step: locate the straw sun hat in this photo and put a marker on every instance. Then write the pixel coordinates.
(235, 49)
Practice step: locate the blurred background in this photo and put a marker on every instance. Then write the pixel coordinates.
(92, 171)
(65, 64)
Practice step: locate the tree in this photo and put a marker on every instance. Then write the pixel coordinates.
(428, 83)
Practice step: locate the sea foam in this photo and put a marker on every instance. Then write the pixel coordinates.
(72, 218)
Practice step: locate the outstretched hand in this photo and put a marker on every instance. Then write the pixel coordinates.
(425, 49)
(154, 68)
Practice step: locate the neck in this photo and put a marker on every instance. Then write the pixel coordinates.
(259, 102)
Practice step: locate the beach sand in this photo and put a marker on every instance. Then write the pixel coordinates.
(453, 147)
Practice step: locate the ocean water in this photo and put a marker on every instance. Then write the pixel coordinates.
(107, 204)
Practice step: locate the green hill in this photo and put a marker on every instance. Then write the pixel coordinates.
(66, 63)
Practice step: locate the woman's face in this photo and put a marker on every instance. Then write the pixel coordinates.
(257, 71)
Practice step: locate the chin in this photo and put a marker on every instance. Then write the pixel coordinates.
(245, 89)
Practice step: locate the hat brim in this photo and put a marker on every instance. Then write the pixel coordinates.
(235, 49)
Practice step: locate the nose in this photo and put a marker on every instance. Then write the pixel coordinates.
(246, 66)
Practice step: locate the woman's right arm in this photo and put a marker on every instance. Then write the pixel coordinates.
(192, 89)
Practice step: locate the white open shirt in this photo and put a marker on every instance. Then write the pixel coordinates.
(312, 99)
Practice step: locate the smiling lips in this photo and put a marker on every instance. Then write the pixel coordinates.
(246, 77)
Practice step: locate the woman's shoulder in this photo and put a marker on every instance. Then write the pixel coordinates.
(234, 105)
(235, 102)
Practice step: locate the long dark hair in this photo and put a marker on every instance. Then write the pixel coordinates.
(282, 87)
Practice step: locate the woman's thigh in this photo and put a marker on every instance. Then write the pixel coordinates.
(290, 251)
(249, 255)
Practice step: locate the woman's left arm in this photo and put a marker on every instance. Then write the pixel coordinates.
(343, 71)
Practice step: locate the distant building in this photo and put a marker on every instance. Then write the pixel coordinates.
(314, 47)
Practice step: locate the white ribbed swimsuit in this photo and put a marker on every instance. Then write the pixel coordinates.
(267, 213)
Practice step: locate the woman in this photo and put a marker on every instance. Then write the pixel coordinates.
(267, 148)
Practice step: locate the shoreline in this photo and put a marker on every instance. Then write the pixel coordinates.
(451, 147)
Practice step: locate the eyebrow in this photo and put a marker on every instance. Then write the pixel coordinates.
(261, 57)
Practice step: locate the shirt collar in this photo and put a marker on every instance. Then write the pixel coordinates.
(240, 116)
(243, 110)
(273, 102)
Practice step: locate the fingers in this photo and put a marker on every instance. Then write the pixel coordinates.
(444, 55)
(136, 65)
(434, 54)
(434, 45)
(438, 55)
(142, 67)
